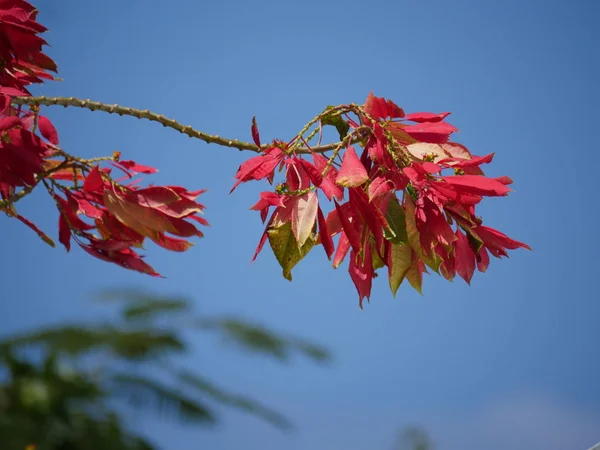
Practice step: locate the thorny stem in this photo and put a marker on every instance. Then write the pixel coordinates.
(166, 122)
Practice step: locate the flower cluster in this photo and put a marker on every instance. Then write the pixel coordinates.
(406, 203)
(108, 219)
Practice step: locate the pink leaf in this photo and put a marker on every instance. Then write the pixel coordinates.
(352, 172)
(477, 185)
(304, 216)
(426, 117)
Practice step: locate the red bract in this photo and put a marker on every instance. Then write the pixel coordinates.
(405, 209)
(21, 157)
(125, 216)
(259, 167)
(21, 57)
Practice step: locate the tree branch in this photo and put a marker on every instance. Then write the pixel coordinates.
(164, 121)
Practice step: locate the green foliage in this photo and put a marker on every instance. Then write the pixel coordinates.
(65, 400)
(414, 438)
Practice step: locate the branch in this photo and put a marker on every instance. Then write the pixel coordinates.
(164, 121)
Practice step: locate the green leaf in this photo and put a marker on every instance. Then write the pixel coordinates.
(396, 220)
(258, 339)
(337, 121)
(245, 404)
(286, 249)
(144, 392)
(378, 263)
(400, 263)
(73, 340)
(474, 240)
(150, 309)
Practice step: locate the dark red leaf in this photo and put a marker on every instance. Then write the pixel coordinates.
(47, 129)
(465, 258)
(255, 134)
(349, 228)
(324, 235)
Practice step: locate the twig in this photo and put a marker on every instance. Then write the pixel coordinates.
(148, 115)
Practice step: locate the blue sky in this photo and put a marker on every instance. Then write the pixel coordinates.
(510, 362)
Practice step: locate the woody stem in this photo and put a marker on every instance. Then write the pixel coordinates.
(149, 115)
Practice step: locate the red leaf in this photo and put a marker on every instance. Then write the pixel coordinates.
(380, 108)
(47, 129)
(341, 251)
(258, 167)
(4, 103)
(126, 258)
(267, 199)
(361, 272)
(483, 260)
(436, 132)
(328, 186)
(296, 176)
(72, 219)
(313, 173)
(35, 228)
(172, 244)
(324, 235)
(64, 233)
(153, 197)
(11, 91)
(465, 258)
(352, 172)
(255, 134)
(430, 167)
(138, 168)
(378, 187)
(351, 232)
(7, 123)
(477, 185)
(496, 242)
(93, 182)
(370, 214)
(426, 117)
(462, 163)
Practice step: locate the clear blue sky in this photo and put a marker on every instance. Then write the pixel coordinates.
(509, 363)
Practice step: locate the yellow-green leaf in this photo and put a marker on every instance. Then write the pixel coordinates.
(400, 263)
(285, 247)
(414, 276)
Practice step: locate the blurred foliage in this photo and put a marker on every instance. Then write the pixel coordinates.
(63, 385)
(414, 438)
